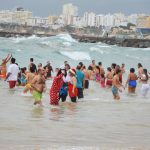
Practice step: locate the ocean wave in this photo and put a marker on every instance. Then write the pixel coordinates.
(22, 39)
(104, 46)
(76, 55)
(67, 43)
(133, 57)
(66, 37)
(98, 50)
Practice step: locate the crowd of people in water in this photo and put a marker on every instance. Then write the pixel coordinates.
(71, 81)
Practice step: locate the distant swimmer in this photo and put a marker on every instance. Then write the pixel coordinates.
(3, 66)
(116, 85)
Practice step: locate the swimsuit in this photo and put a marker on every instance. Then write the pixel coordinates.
(37, 96)
(109, 82)
(114, 90)
(132, 83)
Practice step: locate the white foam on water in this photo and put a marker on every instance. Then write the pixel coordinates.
(133, 57)
(66, 37)
(21, 39)
(145, 49)
(96, 49)
(104, 46)
(67, 43)
(18, 50)
(76, 55)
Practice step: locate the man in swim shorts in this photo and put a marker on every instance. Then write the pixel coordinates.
(116, 85)
(12, 73)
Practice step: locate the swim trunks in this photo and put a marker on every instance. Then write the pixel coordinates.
(37, 96)
(114, 90)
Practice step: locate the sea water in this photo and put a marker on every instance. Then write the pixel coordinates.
(96, 122)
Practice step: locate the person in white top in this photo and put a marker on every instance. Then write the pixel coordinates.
(12, 73)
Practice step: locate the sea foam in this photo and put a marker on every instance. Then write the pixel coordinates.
(76, 55)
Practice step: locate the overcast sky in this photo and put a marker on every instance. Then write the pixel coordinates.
(51, 7)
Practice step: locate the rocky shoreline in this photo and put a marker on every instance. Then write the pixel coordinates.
(137, 43)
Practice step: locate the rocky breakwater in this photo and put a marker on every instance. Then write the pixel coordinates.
(138, 43)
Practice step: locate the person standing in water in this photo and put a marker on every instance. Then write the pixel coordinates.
(80, 82)
(109, 77)
(12, 73)
(73, 91)
(3, 66)
(87, 77)
(131, 81)
(116, 85)
(38, 86)
(55, 88)
(140, 70)
(145, 86)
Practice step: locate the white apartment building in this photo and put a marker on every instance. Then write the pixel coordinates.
(19, 17)
(69, 11)
(108, 20)
(118, 19)
(37, 21)
(89, 19)
(78, 22)
(132, 18)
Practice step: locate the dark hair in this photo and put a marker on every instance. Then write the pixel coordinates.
(65, 72)
(32, 70)
(13, 60)
(22, 70)
(79, 67)
(100, 63)
(25, 68)
(113, 65)
(139, 65)
(102, 75)
(109, 69)
(81, 64)
(67, 66)
(118, 71)
(97, 67)
(90, 68)
(59, 72)
(132, 70)
(84, 67)
(31, 59)
(93, 61)
(145, 72)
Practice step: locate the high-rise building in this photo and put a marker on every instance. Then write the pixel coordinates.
(69, 11)
(89, 19)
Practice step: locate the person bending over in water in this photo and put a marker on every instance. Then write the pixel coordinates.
(116, 85)
(38, 86)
